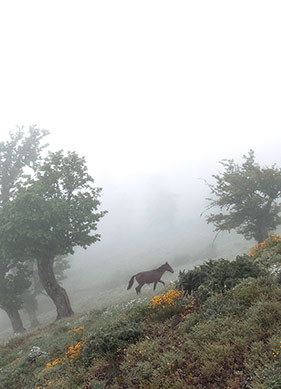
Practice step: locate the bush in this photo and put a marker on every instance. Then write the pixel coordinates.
(167, 305)
(264, 316)
(250, 291)
(268, 255)
(228, 304)
(191, 321)
(273, 241)
(216, 276)
(107, 341)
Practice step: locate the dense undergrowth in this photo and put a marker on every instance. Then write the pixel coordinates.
(217, 327)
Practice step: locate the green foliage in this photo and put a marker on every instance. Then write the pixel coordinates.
(30, 304)
(227, 304)
(250, 291)
(22, 151)
(54, 213)
(167, 305)
(231, 339)
(13, 285)
(217, 348)
(137, 312)
(268, 255)
(248, 195)
(216, 276)
(107, 341)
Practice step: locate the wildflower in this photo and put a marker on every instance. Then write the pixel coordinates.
(35, 353)
(269, 242)
(168, 299)
(73, 353)
(16, 360)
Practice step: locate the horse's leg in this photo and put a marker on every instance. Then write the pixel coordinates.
(154, 286)
(138, 288)
(162, 282)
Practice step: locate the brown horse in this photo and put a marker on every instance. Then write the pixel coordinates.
(147, 277)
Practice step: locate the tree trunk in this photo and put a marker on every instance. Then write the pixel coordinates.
(30, 306)
(15, 318)
(34, 322)
(262, 225)
(53, 289)
(261, 235)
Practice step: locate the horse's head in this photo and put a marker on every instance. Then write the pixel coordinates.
(168, 267)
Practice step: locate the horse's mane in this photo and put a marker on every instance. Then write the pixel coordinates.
(161, 267)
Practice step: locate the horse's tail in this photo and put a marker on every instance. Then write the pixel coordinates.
(131, 282)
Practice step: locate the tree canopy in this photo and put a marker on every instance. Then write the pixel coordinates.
(52, 214)
(20, 154)
(22, 150)
(248, 198)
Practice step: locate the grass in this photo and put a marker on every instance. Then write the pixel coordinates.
(228, 340)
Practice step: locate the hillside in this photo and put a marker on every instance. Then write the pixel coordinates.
(212, 338)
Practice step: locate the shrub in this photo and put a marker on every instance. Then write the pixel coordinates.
(272, 241)
(250, 291)
(264, 316)
(228, 304)
(64, 370)
(152, 362)
(107, 341)
(167, 305)
(191, 321)
(268, 255)
(216, 276)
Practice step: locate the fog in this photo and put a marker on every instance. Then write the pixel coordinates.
(150, 220)
(154, 95)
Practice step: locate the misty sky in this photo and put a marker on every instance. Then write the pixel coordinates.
(153, 93)
(141, 87)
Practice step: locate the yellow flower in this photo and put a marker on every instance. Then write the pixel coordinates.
(168, 299)
(258, 248)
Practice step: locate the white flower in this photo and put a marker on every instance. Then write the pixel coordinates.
(35, 352)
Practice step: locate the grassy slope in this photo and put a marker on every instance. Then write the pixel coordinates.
(230, 341)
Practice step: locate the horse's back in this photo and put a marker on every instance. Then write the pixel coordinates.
(147, 277)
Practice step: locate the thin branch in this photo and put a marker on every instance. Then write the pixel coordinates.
(215, 238)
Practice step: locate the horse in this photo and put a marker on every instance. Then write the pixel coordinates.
(148, 277)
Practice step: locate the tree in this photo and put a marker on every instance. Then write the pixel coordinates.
(249, 196)
(21, 152)
(55, 212)
(14, 280)
(29, 296)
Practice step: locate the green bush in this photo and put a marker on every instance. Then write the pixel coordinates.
(107, 341)
(264, 316)
(216, 276)
(208, 340)
(250, 291)
(228, 304)
(191, 321)
(168, 304)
